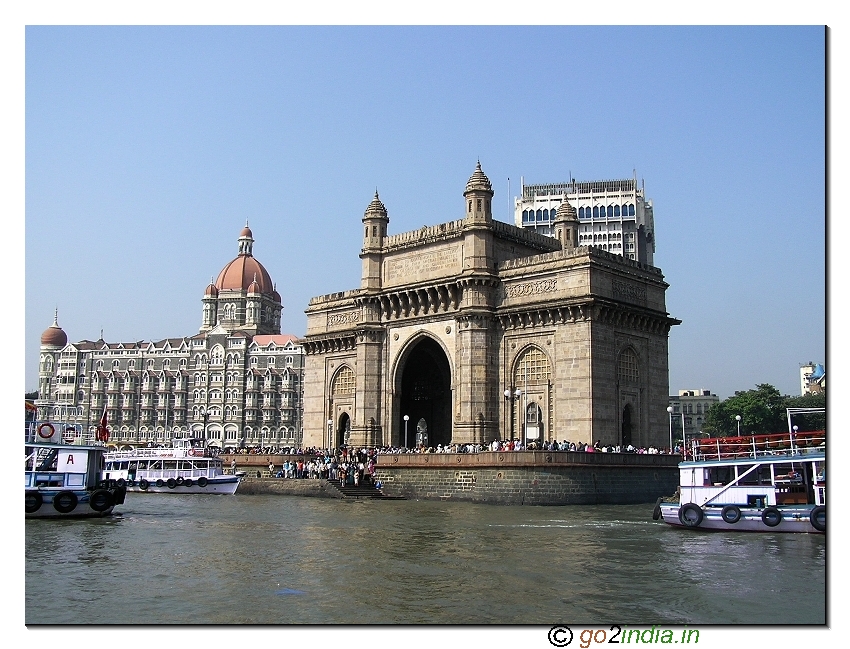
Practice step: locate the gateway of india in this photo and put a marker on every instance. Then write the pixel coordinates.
(475, 330)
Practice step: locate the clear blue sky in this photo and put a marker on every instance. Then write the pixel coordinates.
(148, 148)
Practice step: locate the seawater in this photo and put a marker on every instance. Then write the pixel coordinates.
(250, 559)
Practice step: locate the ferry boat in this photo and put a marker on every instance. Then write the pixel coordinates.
(187, 467)
(63, 480)
(758, 483)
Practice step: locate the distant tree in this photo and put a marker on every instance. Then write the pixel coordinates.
(762, 411)
(809, 421)
(31, 396)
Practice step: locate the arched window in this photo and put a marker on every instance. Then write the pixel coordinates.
(540, 215)
(627, 367)
(631, 210)
(595, 210)
(616, 210)
(344, 381)
(532, 367)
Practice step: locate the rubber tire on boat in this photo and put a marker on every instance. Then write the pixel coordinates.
(656, 513)
(771, 516)
(731, 514)
(160, 482)
(202, 481)
(180, 481)
(171, 483)
(121, 482)
(188, 482)
(33, 502)
(101, 500)
(144, 484)
(696, 517)
(65, 502)
(815, 518)
(131, 483)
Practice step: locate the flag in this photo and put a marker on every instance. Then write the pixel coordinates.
(102, 430)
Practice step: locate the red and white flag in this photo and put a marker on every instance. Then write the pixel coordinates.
(102, 430)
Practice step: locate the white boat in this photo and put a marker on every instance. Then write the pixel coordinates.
(758, 483)
(64, 480)
(187, 467)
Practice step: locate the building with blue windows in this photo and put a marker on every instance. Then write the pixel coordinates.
(615, 215)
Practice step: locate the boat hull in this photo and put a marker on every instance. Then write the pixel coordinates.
(793, 519)
(225, 485)
(59, 504)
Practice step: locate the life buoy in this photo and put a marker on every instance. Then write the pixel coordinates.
(144, 484)
(731, 514)
(817, 518)
(180, 481)
(771, 516)
(33, 502)
(656, 513)
(65, 502)
(101, 500)
(690, 515)
(160, 482)
(202, 481)
(188, 482)
(43, 427)
(171, 483)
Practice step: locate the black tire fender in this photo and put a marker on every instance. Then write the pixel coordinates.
(65, 502)
(656, 512)
(101, 500)
(160, 482)
(144, 484)
(188, 482)
(771, 516)
(171, 482)
(690, 515)
(33, 502)
(817, 518)
(202, 481)
(730, 514)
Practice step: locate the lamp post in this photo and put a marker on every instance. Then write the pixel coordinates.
(330, 434)
(517, 395)
(507, 399)
(670, 415)
(738, 419)
(406, 419)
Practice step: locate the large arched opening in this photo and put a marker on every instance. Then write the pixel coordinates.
(426, 396)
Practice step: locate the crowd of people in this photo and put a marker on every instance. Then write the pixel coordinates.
(352, 467)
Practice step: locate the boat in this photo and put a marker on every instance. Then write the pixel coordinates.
(187, 467)
(64, 480)
(756, 483)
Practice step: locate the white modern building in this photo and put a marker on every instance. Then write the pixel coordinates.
(615, 215)
(688, 412)
(237, 382)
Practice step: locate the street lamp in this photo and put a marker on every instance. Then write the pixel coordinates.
(738, 419)
(507, 399)
(517, 395)
(670, 415)
(406, 419)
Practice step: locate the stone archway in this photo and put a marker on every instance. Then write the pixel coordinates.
(426, 393)
(627, 425)
(343, 430)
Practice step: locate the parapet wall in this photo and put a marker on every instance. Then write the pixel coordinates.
(530, 478)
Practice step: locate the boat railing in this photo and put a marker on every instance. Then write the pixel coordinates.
(753, 446)
(159, 452)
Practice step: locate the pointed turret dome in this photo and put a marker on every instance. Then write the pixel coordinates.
(54, 336)
(478, 181)
(254, 288)
(211, 290)
(376, 209)
(566, 212)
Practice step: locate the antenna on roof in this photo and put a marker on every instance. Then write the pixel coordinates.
(509, 199)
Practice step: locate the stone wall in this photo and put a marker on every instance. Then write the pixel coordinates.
(534, 478)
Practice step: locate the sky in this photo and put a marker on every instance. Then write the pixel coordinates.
(149, 147)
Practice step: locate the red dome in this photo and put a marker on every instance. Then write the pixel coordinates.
(246, 232)
(54, 336)
(239, 274)
(211, 290)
